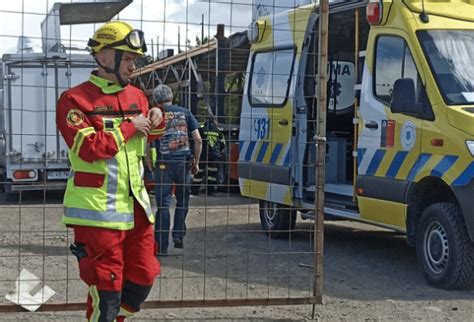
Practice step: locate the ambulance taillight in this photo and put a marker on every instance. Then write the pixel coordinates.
(374, 13)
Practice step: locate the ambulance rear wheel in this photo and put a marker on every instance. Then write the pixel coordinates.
(443, 247)
(277, 220)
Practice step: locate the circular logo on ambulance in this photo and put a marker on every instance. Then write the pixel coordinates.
(408, 135)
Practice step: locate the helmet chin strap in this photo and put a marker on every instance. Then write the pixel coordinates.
(118, 60)
(116, 70)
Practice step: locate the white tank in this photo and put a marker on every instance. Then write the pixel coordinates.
(27, 45)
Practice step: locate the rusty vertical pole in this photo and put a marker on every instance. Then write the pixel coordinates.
(320, 148)
(356, 101)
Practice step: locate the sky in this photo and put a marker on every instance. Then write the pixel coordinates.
(159, 19)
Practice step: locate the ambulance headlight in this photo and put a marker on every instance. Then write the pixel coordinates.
(470, 146)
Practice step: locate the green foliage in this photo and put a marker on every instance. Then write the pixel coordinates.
(234, 85)
(205, 40)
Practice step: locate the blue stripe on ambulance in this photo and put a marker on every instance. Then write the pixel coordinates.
(287, 161)
(276, 153)
(248, 154)
(396, 164)
(375, 162)
(420, 162)
(261, 153)
(241, 146)
(360, 155)
(444, 165)
(465, 177)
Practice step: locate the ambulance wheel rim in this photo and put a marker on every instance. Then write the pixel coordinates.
(436, 248)
(270, 213)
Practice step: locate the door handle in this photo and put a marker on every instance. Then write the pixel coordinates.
(283, 122)
(372, 125)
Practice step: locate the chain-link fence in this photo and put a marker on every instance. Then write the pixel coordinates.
(242, 244)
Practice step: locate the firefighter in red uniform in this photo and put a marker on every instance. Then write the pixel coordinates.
(105, 123)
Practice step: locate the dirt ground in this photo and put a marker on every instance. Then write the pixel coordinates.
(369, 273)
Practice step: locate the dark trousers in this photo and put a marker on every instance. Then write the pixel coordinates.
(171, 173)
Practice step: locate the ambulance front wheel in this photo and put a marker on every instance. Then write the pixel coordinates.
(277, 220)
(443, 247)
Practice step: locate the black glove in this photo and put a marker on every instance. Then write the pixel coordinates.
(78, 250)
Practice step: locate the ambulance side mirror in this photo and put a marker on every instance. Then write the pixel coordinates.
(404, 98)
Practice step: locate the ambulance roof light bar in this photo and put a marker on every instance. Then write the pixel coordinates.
(374, 12)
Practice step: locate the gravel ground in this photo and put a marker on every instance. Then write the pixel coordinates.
(369, 273)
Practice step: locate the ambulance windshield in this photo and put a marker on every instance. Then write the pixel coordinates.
(450, 54)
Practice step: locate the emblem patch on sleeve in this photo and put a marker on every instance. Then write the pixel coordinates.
(75, 117)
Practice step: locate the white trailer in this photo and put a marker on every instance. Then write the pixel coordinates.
(33, 156)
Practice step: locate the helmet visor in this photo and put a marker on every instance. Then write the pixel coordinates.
(134, 40)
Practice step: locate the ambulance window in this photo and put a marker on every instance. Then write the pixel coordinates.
(393, 61)
(270, 77)
(449, 54)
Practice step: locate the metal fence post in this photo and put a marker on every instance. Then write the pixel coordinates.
(321, 149)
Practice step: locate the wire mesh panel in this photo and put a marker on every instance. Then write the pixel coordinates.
(249, 68)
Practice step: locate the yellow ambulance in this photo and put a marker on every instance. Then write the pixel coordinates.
(400, 124)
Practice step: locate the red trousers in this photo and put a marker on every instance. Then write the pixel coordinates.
(120, 266)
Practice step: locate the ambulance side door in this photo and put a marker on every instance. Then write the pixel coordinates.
(389, 150)
(267, 126)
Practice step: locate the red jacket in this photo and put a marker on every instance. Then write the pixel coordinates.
(87, 104)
